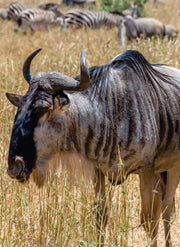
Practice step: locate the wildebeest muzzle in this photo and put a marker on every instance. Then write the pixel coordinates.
(17, 169)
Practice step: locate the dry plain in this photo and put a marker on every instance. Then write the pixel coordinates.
(60, 214)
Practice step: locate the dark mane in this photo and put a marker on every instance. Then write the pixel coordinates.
(117, 13)
(140, 65)
(98, 78)
(146, 72)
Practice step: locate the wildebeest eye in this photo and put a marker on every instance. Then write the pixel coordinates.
(61, 101)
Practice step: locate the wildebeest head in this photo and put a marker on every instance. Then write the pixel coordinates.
(45, 93)
(127, 28)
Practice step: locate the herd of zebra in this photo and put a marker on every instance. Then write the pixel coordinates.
(42, 16)
(45, 15)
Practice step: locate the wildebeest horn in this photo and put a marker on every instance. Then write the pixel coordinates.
(27, 63)
(84, 73)
(68, 83)
(55, 81)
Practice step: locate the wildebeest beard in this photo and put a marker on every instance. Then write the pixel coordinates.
(26, 119)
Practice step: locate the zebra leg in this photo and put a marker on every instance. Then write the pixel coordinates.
(101, 206)
(32, 30)
(151, 202)
(16, 29)
(171, 183)
(21, 27)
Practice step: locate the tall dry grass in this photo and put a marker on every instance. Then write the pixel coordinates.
(61, 214)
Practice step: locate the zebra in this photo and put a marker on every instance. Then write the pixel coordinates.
(14, 10)
(89, 19)
(37, 18)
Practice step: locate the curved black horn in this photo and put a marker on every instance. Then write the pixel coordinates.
(27, 63)
(55, 81)
(84, 74)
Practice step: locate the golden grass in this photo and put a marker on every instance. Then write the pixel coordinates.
(60, 214)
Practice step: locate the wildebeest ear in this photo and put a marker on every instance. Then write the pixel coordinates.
(61, 102)
(14, 98)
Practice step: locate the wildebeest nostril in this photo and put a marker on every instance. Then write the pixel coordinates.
(19, 162)
(18, 166)
(13, 173)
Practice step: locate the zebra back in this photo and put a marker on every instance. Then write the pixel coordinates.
(90, 19)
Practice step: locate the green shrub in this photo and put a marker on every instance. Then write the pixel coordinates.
(120, 5)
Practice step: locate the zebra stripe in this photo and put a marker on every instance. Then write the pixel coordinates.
(14, 10)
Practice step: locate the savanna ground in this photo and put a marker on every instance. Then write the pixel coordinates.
(60, 214)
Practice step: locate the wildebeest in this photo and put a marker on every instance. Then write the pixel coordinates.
(78, 2)
(156, 2)
(130, 28)
(128, 104)
(128, 12)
